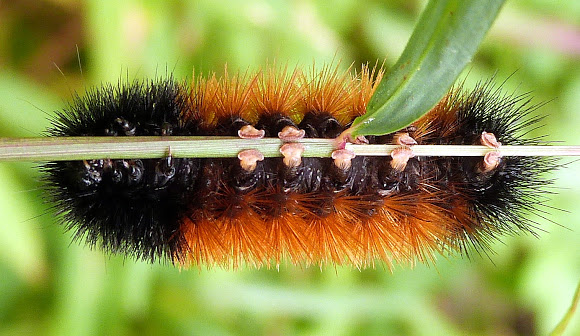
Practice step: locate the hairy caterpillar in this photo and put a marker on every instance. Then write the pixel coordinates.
(259, 211)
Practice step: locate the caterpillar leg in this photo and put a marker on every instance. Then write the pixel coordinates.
(250, 132)
(342, 158)
(292, 153)
(249, 159)
(404, 139)
(291, 133)
(492, 159)
(400, 156)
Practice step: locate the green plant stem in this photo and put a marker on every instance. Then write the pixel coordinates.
(87, 148)
(473, 150)
(561, 327)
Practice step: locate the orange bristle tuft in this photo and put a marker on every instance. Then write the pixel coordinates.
(277, 92)
(234, 96)
(328, 91)
(204, 98)
(366, 82)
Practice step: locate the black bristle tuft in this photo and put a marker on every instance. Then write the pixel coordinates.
(125, 206)
(503, 199)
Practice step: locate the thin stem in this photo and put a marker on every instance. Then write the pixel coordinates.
(458, 150)
(87, 148)
(561, 327)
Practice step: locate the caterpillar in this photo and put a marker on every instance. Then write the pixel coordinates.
(251, 210)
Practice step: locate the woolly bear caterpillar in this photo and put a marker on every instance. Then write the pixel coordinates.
(258, 211)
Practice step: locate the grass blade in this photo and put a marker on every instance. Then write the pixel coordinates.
(444, 40)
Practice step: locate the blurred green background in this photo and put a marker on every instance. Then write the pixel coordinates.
(49, 286)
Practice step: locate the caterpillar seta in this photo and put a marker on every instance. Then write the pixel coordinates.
(257, 211)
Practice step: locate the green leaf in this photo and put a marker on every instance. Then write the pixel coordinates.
(444, 40)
